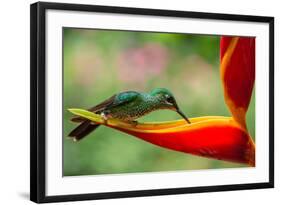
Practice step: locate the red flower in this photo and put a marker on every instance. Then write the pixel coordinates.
(238, 74)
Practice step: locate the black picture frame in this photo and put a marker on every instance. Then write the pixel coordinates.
(38, 98)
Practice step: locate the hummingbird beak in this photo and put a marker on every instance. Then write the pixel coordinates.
(181, 114)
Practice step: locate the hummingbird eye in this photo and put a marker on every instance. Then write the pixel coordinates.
(169, 99)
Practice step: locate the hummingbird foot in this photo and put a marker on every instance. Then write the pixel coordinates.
(133, 123)
(104, 117)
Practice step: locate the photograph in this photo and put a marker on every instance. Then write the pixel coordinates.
(133, 102)
(138, 101)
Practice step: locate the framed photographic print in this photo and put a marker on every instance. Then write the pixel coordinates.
(129, 102)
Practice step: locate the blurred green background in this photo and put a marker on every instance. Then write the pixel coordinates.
(100, 63)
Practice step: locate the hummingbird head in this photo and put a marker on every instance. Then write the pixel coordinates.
(167, 100)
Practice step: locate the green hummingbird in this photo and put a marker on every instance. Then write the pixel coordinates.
(127, 106)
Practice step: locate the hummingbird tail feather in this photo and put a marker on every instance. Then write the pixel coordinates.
(83, 130)
(77, 119)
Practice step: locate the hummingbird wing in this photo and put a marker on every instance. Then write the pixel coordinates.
(124, 98)
(113, 101)
(97, 108)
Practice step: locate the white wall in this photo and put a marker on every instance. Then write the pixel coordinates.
(14, 100)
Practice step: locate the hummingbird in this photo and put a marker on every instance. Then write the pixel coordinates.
(127, 106)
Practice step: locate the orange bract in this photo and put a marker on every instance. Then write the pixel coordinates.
(238, 74)
(215, 137)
